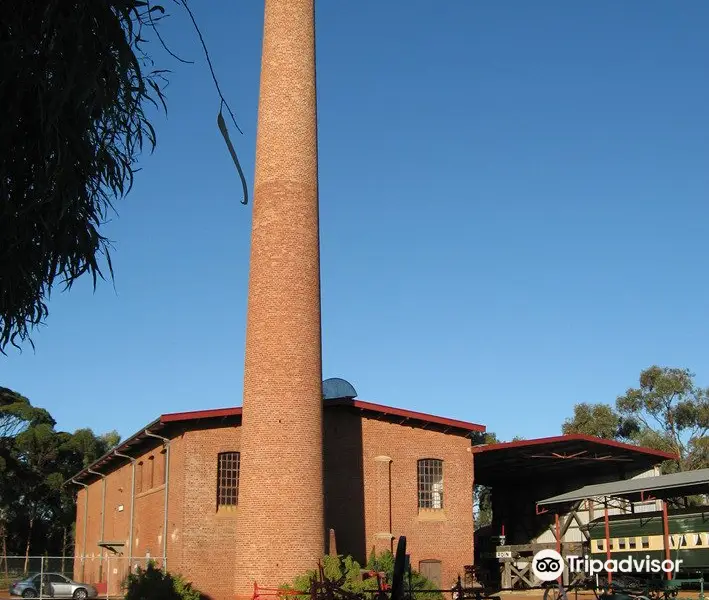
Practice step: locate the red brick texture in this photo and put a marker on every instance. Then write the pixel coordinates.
(372, 490)
(370, 499)
(280, 529)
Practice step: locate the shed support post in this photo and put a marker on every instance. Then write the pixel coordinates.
(608, 538)
(558, 540)
(506, 575)
(666, 534)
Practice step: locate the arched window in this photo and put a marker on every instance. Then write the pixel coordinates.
(430, 483)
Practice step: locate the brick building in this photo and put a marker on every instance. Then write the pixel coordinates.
(387, 472)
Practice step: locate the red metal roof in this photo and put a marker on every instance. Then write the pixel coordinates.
(200, 414)
(224, 413)
(407, 414)
(569, 457)
(571, 438)
(387, 411)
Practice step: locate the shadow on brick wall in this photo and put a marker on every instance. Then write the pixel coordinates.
(344, 482)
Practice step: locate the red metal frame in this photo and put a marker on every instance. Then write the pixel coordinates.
(268, 592)
(200, 414)
(408, 414)
(361, 404)
(578, 438)
(236, 411)
(644, 497)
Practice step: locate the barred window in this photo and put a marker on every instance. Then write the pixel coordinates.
(430, 483)
(228, 479)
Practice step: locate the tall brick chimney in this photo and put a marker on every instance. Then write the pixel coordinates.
(280, 525)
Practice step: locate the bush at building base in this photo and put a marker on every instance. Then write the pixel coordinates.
(349, 571)
(152, 583)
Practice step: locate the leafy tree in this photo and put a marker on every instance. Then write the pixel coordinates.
(75, 86)
(667, 411)
(37, 451)
(77, 83)
(17, 416)
(37, 512)
(482, 495)
(600, 420)
(110, 440)
(672, 412)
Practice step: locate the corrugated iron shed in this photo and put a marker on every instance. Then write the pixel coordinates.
(685, 483)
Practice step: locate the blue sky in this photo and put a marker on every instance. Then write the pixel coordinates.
(514, 216)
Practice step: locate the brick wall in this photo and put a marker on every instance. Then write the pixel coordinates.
(209, 534)
(100, 564)
(370, 489)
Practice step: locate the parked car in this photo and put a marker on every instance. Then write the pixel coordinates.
(61, 587)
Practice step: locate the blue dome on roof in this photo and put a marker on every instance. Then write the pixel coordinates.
(337, 388)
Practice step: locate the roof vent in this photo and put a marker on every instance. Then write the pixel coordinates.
(335, 387)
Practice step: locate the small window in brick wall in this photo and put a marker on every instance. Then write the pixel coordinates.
(163, 467)
(430, 483)
(139, 483)
(228, 479)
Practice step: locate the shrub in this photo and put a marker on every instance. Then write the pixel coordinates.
(346, 568)
(415, 586)
(152, 583)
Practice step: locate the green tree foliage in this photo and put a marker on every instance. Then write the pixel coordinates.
(667, 411)
(152, 583)
(349, 571)
(672, 413)
(600, 420)
(76, 84)
(75, 95)
(37, 511)
(482, 495)
(482, 500)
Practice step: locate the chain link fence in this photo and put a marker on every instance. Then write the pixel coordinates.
(77, 577)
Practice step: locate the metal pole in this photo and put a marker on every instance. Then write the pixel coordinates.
(666, 534)
(41, 577)
(103, 518)
(558, 539)
(86, 516)
(608, 539)
(132, 503)
(166, 441)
